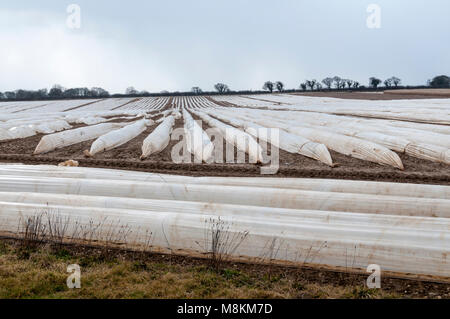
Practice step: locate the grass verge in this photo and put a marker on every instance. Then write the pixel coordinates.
(42, 272)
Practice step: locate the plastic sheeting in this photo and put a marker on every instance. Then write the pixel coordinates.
(197, 141)
(423, 110)
(343, 144)
(423, 141)
(239, 195)
(243, 141)
(33, 128)
(158, 140)
(289, 142)
(321, 185)
(345, 240)
(119, 137)
(51, 142)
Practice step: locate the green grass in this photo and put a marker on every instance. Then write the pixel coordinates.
(41, 273)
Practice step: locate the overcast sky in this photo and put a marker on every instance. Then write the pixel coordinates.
(176, 44)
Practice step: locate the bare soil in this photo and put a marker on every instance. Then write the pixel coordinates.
(442, 93)
(291, 165)
(387, 95)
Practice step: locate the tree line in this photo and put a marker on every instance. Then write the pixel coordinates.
(328, 83)
(339, 83)
(56, 92)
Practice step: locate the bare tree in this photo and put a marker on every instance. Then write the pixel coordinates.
(99, 92)
(131, 91)
(303, 86)
(318, 86)
(221, 88)
(280, 86)
(396, 81)
(387, 83)
(374, 82)
(355, 84)
(349, 83)
(56, 91)
(337, 82)
(328, 82)
(196, 90)
(311, 84)
(268, 86)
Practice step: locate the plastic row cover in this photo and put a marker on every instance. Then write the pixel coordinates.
(421, 144)
(358, 125)
(243, 141)
(289, 142)
(51, 142)
(158, 140)
(23, 131)
(422, 111)
(319, 185)
(119, 137)
(334, 225)
(239, 195)
(343, 144)
(396, 243)
(197, 141)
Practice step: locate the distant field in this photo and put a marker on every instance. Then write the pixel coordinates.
(428, 92)
(383, 95)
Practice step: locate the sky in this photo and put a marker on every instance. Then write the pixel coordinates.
(174, 45)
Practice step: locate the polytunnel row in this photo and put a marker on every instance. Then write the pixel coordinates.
(435, 111)
(101, 126)
(404, 228)
(307, 142)
(308, 133)
(20, 126)
(308, 139)
(111, 135)
(97, 105)
(370, 140)
(423, 144)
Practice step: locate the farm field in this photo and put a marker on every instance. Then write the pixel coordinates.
(403, 94)
(205, 176)
(421, 92)
(18, 143)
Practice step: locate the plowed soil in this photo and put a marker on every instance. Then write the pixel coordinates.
(291, 165)
(388, 95)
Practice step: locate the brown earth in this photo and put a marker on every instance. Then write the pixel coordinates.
(442, 93)
(291, 165)
(389, 95)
